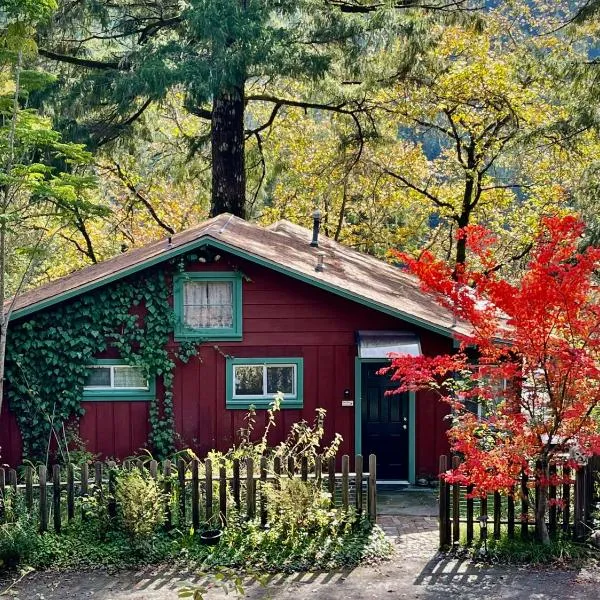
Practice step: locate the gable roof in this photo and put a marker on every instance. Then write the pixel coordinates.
(283, 247)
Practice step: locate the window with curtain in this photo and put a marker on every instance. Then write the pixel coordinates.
(208, 305)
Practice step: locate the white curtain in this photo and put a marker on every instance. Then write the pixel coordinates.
(208, 304)
(129, 377)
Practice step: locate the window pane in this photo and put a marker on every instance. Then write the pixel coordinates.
(130, 377)
(208, 304)
(248, 380)
(280, 379)
(98, 377)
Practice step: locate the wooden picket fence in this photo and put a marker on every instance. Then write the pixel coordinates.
(197, 492)
(515, 514)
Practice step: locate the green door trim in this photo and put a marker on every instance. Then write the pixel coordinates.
(358, 362)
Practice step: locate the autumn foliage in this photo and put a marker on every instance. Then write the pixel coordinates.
(524, 384)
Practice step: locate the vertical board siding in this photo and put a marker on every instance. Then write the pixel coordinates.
(281, 317)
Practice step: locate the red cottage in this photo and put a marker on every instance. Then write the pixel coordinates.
(266, 310)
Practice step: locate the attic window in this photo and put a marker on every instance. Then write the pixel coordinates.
(379, 344)
(208, 306)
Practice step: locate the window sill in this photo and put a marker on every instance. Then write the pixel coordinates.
(264, 403)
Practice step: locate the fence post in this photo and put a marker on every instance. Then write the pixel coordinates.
(372, 488)
(331, 479)
(98, 478)
(566, 498)
(2, 492)
(510, 514)
(70, 493)
(277, 471)
(83, 480)
(181, 468)
(345, 481)
(358, 471)
(153, 468)
(29, 487)
(470, 514)
(195, 497)
(304, 468)
(291, 467)
(112, 490)
(42, 474)
(56, 497)
(579, 528)
(168, 492)
(552, 519)
(223, 494)
(318, 470)
(455, 504)
(209, 488)
(537, 482)
(483, 508)
(524, 506)
(263, 496)
(12, 481)
(497, 514)
(236, 483)
(444, 508)
(250, 489)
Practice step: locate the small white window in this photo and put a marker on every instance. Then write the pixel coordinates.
(115, 377)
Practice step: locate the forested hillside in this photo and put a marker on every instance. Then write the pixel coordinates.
(127, 120)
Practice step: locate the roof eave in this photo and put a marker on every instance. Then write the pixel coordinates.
(206, 239)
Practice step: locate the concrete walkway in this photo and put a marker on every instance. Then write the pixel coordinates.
(416, 571)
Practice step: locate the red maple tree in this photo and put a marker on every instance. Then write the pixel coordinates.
(524, 385)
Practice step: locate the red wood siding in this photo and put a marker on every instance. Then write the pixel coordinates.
(282, 317)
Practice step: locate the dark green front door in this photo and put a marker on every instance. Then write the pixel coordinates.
(384, 423)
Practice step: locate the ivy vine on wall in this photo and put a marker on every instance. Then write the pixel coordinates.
(48, 354)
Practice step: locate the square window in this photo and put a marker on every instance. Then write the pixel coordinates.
(257, 380)
(208, 306)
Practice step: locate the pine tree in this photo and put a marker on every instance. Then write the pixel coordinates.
(220, 55)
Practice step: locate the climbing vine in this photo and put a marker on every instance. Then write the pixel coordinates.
(49, 352)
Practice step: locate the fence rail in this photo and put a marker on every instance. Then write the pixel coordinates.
(196, 491)
(570, 506)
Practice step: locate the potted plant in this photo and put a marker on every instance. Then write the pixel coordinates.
(212, 531)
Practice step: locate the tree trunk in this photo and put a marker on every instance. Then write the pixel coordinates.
(541, 530)
(228, 161)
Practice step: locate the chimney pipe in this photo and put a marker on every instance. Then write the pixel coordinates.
(316, 224)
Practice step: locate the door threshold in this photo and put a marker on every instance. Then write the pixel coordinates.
(393, 482)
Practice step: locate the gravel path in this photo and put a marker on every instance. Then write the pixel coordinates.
(416, 571)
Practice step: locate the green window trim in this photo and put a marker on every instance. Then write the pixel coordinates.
(118, 394)
(184, 332)
(264, 401)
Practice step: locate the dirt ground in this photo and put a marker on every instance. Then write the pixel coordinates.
(416, 571)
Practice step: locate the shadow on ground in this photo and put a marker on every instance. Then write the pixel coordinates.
(416, 571)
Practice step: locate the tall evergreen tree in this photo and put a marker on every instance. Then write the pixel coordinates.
(220, 55)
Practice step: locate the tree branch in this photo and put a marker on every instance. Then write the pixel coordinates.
(129, 184)
(84, 62)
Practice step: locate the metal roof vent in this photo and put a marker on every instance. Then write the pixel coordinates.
(320, 258)
(316, 225)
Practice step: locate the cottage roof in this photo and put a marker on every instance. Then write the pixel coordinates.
(283, 247)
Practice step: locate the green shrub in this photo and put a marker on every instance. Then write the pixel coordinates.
(300, 506)
(140, 505)
(18, 534)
